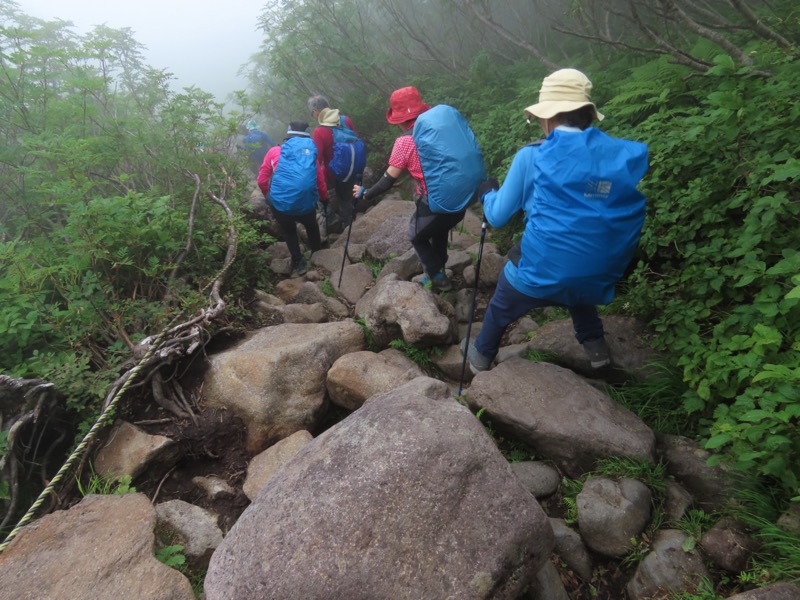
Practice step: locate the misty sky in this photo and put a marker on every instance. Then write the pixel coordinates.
(201, 43)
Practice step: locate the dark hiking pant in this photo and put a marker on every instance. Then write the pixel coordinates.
(339, 212)
(507, 305)
(288, 224)
(428, 234)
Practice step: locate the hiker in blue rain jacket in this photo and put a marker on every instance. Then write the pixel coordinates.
(293, 182)
(583, 219)
(257, 143)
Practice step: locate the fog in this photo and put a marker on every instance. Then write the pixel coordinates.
(202, 44)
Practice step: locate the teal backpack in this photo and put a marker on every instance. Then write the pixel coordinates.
(451, 159)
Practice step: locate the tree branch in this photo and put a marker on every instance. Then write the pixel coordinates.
(673, 9)
(758, 26)
(483, 15)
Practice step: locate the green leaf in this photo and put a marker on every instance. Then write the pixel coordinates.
(754, 416)
(778, 372)
(764, 336)
(790, 170)
(749, 457)
(718, 441)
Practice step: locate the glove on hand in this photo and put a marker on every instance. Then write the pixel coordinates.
(486, 186)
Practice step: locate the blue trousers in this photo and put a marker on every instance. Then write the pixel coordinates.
(507, 305)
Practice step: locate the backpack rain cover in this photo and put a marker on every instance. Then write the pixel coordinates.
(452, 162)
(293, 189)
(586, 218)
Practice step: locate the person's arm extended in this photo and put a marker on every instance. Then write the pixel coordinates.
(499, 206)
(384, 184)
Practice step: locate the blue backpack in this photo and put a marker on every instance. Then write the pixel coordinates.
(349, 153)
(451, 159)
(586, 219)
(293, 188)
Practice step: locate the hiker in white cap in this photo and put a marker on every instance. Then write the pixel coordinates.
(583, 219)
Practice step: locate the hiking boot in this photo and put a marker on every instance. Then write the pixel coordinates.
(441, 283)
(301, 268)
(598, 352)
(477, 361)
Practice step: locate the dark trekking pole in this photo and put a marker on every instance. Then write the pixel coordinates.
(345, 256)
(472, 308)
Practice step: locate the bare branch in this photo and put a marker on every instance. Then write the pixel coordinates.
(758, 25)
(482, 13)
(680, 56)
(188, 246)
(674, 10)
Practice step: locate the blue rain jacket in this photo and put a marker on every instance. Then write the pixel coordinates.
(583, 214)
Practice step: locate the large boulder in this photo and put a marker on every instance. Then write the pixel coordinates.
(264, 465)
(275, 380)
(559, 415)
(627, 340)
(390, 239)
(667, 568)
(100, 548)
(331, 259)
(402, 309)
(776, 591)
(356, 280)
(492, 264)
(365, 227)
(728, 545)
(612, 513)
(404, 266)
(359, 375)
(687, 461)
(406, 498)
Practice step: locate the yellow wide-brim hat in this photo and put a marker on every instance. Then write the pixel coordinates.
(563, 91)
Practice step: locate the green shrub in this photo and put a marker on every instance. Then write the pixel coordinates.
(718, 280)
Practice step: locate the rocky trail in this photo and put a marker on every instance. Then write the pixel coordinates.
(330, 457)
